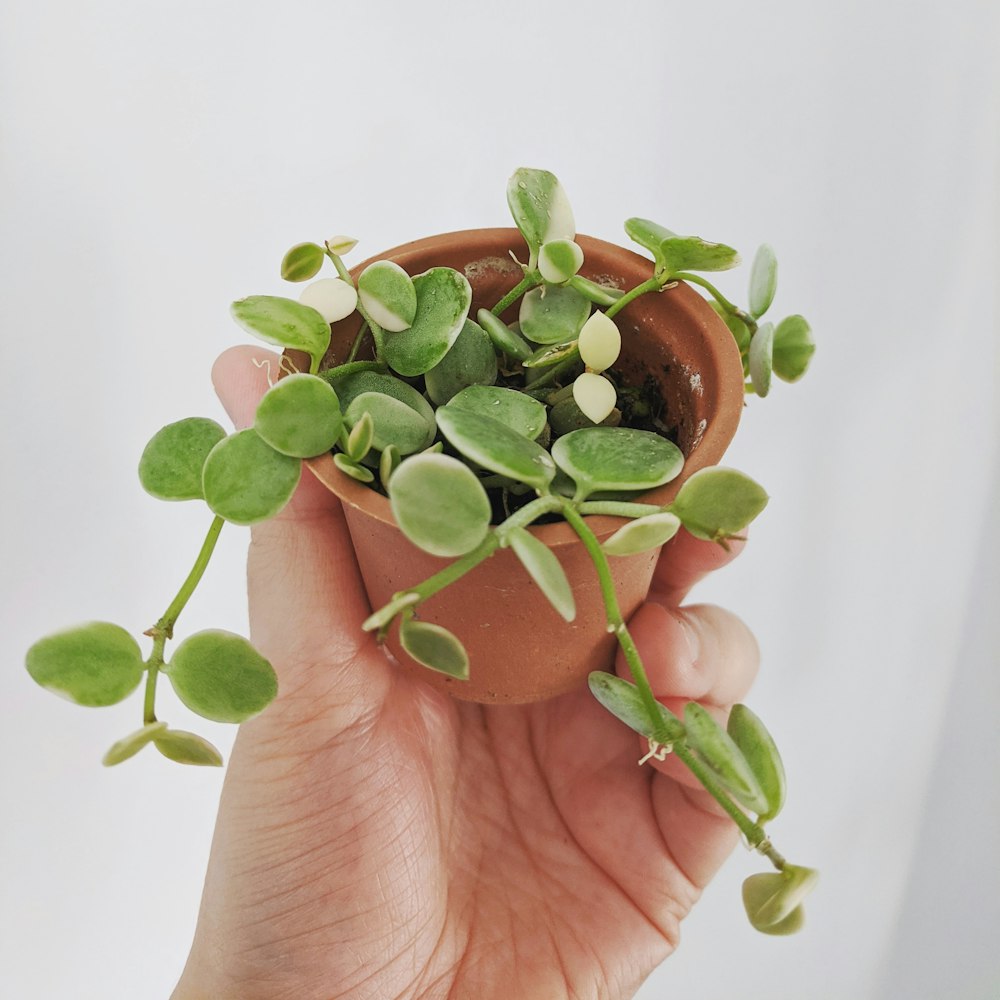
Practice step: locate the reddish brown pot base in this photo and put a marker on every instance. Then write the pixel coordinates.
(520, 650)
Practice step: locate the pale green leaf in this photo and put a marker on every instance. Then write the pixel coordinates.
(793, 348)
(553, 314)
(435, 647)
(540, 208)
(761, 753)
(503, 337)
(497, 447)
(545, 569)
(718, 751)
(129, 746)
(221, 676)
(439, 504)
(623, 700)
(772, 898)
(388, 295)
(443, 300)
(760, 358)
(94, 664)
(518, 411)
(284, 322)
(691, 253)
(471, 360)
(601, 295)
(616, 458)
(187, 748)
(302, 262)
(350, 386)
(171, 463)
(559, 260)
(246, 480)
(763, 280)
(392, 423)
(650, 235)
(642, 534)
(299, 416)
(718, 503)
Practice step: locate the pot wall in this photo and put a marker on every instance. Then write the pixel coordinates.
(520, 650)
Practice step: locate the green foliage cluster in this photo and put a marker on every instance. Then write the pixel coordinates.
(475, 429)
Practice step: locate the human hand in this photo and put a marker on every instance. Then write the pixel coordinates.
(378, 839)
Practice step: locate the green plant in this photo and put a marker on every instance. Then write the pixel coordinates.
(474, 429)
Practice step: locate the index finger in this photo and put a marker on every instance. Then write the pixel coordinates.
(685, 560)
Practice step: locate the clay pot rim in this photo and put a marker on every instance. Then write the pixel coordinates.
(710, 447)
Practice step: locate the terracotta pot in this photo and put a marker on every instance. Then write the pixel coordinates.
(520, 650)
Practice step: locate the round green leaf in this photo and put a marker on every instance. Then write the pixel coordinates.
(716, 748)
(284, 322)
(349, 387)
(559, 260)
(302, 262)
(503, 337)
(623, 700)
(187, 748)
(758, 747)
(435, 647)
(553, 314)
(763, 280)
(718, 503)
(616, 458)
(94, 664)
(760, 358)
(246, 480)
(793, 348)
(439, 504)
(642, 534)
(299, 416)
(129, 746)
(496, 447)
(540, 208)
(545, 569)
(221, 676)
(443, 300)
(691, 253)
(393, 422)
(471, 360)
(518, 411)
(388, 295)
(771, 899)
(171, 464)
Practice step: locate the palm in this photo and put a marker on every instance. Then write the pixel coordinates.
(377, 839)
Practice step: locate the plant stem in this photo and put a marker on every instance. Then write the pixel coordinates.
(650, 285)
(350, 367)
(619, 508)
(616, 623)
(755, 834)
(529, 281)
(357, 342)
(733, 310)
(164, 628)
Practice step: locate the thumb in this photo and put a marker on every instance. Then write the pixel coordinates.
(306, 596)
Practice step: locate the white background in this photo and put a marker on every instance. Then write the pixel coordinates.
(158, 158)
